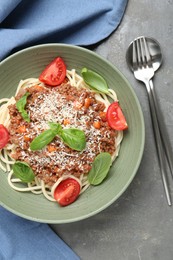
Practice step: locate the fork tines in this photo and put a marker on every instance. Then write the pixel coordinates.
(141, 55)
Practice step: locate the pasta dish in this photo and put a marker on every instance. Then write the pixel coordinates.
(56, 133)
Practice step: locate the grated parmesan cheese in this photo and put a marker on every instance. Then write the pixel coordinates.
(55, 105)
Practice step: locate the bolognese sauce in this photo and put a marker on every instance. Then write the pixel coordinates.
(70, 107)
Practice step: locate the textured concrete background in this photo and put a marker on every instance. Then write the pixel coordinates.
(140, 224)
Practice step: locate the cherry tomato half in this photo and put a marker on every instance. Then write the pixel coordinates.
(115, 117)
(55, 72)
(4, 136)
(67, 191)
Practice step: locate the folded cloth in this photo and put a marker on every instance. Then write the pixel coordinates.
(25, 23)
(7, 7)
(79, 22)
(23, 239)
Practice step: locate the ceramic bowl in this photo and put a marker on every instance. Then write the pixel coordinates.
(29, 63)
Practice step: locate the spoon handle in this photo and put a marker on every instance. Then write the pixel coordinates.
(158, 141)
(162, 128)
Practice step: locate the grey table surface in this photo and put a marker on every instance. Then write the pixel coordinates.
(140, 224)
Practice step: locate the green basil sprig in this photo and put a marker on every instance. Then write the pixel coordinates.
(94, 80)
(23, 171)
(72, 137)
(20, 104)
(100, 168)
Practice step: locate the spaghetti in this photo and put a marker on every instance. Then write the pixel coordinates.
(40, 185)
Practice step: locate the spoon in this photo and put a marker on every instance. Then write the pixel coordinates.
(155, 53)
(156, 60)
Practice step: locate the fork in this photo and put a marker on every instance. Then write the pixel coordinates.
(143, 71)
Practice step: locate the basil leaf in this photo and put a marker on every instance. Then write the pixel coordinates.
(42, 140)
(74, 138)
(100, 168)
(23, 171)
(94, 80)
(20, 104)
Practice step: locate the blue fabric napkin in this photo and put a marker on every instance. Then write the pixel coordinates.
(25, 23)
(23, 239)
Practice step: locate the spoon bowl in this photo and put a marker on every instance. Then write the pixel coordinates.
(155, 53)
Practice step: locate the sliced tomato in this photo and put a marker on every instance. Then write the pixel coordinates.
(115, 117)
(67, 191)
(4, 136)
(55, 72)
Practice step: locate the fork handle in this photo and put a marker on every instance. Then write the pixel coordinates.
(163, 133)
(158, 141)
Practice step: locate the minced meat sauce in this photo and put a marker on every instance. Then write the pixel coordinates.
(72, 108)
